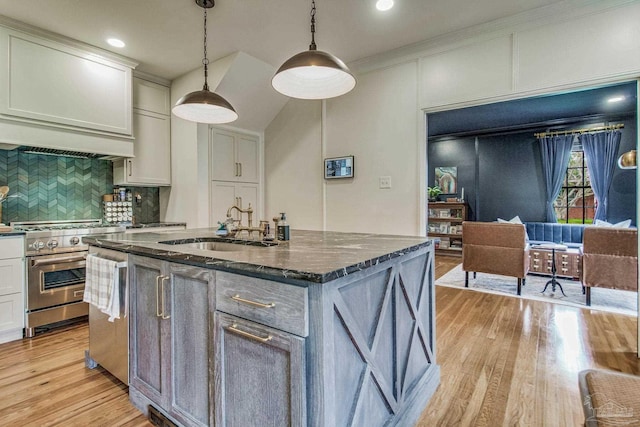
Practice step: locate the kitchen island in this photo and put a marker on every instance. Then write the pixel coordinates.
(327, 329)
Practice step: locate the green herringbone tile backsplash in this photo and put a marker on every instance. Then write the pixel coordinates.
(48, 188)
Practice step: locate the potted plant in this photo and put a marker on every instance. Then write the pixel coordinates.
(433, 193)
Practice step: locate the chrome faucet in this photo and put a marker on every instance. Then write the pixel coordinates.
(249, 228)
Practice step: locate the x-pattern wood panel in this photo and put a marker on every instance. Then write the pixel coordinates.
(395, 293)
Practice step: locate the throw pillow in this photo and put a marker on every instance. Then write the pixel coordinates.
(621, 224)
(515, 220)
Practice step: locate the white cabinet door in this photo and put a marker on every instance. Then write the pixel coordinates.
(247, 158)
(222, 157)
(223, 196)
(12, 272)
(227, 194)
(11, 275)
(151, 97)
(152, 147)
(11, 313)
(247, 194)
(151, 165)
(234, 156)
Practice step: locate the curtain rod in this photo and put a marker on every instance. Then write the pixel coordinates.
(583, 130)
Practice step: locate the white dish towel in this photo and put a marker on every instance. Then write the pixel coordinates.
(102, 285)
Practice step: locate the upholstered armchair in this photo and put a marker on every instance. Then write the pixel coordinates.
(495, 248)
(609, 259)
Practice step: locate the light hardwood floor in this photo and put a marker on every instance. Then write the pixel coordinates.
(505, 361)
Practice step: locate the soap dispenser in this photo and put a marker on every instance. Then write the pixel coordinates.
(283, 227)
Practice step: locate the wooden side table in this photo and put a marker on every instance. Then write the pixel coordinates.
(553, 282)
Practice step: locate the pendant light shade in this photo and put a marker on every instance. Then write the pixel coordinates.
(628, 160)
(313, 74)
(204, 106)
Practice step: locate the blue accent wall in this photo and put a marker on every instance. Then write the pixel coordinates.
(49, 188)
(504, 178)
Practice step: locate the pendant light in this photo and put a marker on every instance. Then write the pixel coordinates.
(203, 106)
(628, 160)
(313, 74)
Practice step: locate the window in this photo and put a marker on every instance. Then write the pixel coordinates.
(576, 203)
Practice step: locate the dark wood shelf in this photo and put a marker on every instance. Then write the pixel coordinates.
(434, 211)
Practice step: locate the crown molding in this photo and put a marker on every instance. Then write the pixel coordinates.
(563, 11)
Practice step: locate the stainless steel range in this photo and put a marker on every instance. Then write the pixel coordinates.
(56, 258)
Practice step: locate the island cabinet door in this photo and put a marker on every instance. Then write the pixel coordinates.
(259, 375)
(148, 333)
(192, 301)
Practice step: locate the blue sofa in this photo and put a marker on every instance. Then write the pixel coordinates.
(567, 234)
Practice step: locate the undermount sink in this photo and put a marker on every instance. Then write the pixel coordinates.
(213, 246)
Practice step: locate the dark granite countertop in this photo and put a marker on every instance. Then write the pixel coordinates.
(157, 225)
(311, 256)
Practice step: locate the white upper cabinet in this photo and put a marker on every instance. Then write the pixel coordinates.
(45, 81)
(234, 156)
(152, 97)
(151, 165)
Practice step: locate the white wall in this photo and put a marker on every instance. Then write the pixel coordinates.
(382, 122)
(377, 124)
(179, 202)
(292, 158)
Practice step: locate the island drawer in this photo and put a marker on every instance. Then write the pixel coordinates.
(274, 304)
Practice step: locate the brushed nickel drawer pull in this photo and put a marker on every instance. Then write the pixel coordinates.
(162, 299)
(78, 293)
(234, 329)
(237, 298)
(158, 313)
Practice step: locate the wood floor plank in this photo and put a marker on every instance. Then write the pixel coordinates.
(522, 357)
(504, 361)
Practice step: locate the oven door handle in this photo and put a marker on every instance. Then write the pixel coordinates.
(49, 261)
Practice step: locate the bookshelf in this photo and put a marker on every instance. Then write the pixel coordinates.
(445, 223)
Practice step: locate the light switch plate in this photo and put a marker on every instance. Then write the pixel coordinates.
(385, 182)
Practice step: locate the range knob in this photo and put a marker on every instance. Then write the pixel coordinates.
(74, 240)
(51, 244)
(37, 245)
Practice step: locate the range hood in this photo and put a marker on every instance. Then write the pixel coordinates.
(40, 139)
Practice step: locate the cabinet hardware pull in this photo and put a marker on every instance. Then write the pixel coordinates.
(237, 298)
(78, 293)
(158, 313)
(130, 167)
(237, 169)
(240, 169)
(234, 329)
(162, 299)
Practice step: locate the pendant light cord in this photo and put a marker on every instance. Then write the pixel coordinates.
(205, 61)
(312, 46)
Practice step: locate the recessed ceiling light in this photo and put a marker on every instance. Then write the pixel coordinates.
(116, 42)
(616, 99)
(384, 5)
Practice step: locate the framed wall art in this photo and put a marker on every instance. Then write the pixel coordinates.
(447, 179)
